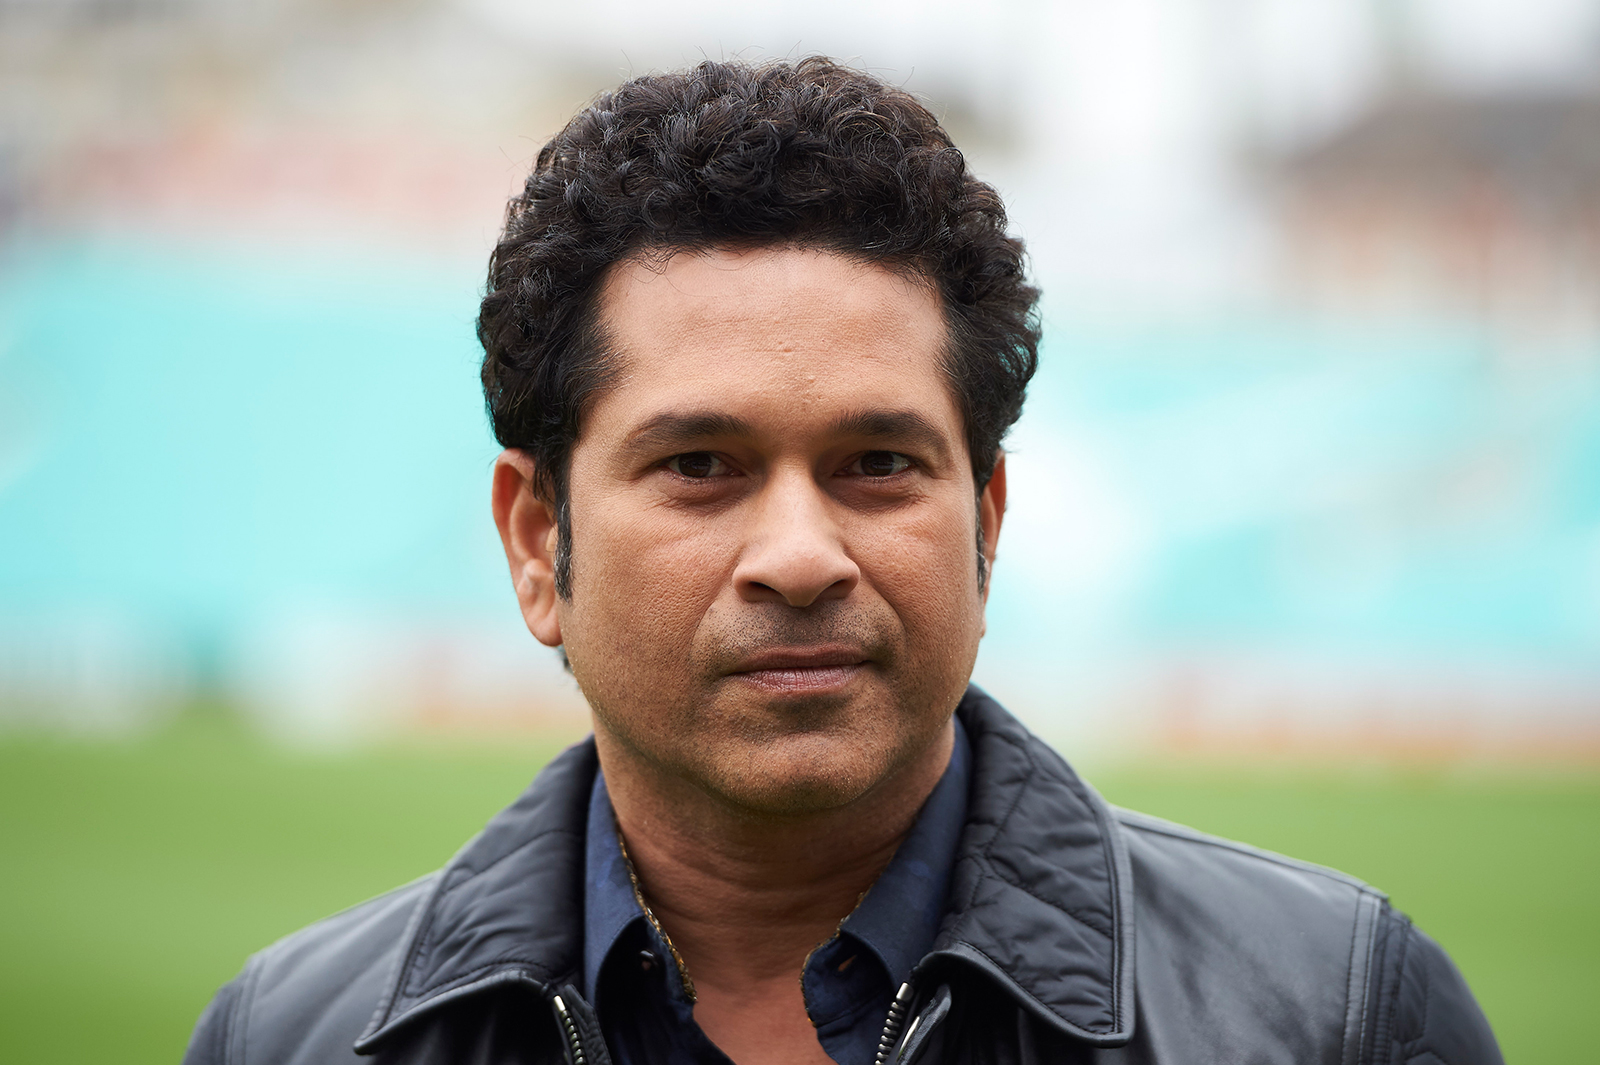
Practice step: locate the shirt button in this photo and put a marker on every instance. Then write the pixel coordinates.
(647, 960)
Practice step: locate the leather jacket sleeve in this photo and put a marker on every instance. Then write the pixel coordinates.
(1425, 1013)
(208, 1045)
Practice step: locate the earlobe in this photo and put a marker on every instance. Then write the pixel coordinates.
(528, 533)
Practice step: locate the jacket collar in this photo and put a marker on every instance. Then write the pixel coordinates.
(1040, 896)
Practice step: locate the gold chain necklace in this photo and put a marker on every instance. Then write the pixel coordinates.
(650, 915)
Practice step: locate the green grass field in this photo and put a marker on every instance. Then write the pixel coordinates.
(136, 877)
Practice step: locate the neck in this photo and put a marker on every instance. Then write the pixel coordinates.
(746, 896)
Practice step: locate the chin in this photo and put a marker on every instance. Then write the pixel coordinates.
(797, 776)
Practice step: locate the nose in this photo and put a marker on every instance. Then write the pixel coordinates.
(794, 551)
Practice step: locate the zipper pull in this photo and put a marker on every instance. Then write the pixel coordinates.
(575, 1055)
(892, 1023)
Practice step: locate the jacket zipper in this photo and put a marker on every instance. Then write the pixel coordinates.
(891, 1027)
(892, 1024)
(574, 1043)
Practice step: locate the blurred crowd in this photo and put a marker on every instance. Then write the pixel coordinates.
(1311, 463)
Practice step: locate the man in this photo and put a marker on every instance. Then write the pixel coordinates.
(753, 336)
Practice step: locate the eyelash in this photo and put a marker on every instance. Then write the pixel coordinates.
(901, 462)
(673, 463)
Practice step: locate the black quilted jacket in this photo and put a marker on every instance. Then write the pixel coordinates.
(1075, 933)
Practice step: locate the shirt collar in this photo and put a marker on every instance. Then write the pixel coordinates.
(899, 917)
(609, 904)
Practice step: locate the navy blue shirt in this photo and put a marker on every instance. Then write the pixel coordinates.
(849, 981)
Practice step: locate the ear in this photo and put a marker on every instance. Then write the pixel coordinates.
(527, 527)
(991, 512)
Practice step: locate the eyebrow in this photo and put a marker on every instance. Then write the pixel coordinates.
(906, 425)
(674, 429)
(671, 430)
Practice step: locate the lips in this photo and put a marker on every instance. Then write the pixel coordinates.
(802, 670)
(801, 658)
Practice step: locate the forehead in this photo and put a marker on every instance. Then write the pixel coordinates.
(775, 331)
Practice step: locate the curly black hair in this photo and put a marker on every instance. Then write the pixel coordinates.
(730, 154)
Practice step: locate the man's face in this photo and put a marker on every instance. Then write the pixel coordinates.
(775, 591)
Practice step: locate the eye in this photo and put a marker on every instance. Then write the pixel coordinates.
(881, 464)
(697, 465)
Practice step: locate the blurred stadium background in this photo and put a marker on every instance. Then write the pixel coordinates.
(1305, 536)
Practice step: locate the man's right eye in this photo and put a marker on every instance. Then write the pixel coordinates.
(697, 465)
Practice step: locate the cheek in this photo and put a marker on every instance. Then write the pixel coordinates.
(925, 565)
(640, 584)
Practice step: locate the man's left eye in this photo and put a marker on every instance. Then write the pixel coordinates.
(881, 463)
(697, 465)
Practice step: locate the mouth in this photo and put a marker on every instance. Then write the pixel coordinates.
(800, 670)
